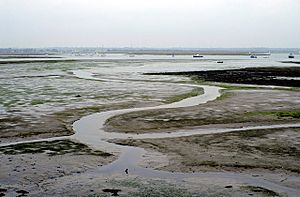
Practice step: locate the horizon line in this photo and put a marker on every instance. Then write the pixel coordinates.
(126, 47)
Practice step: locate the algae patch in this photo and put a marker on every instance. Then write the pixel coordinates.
(279, 114)
(58, 147)
(179, 97)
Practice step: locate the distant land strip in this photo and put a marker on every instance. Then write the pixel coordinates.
(291, 62)
(35, 61)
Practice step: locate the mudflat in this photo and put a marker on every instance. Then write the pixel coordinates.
(272, 150)
(260, 76)
(65, 167)
(252, 151)
(235, 108)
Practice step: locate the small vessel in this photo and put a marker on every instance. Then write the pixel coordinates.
(253, 54)
(291, 55)
(220, 62)
(197, 56)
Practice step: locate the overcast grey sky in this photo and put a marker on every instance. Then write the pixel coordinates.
(150, 23)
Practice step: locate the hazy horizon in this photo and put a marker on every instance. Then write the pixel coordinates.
(150, 24)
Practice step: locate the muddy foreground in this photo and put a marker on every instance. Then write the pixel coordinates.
(68, 168)
(72, 168)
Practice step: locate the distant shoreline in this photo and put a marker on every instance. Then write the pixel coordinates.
(145, 50)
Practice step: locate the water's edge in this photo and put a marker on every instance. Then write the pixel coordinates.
(89, 130)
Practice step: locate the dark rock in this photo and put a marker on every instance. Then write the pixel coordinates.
(114, 192)
(22, 192)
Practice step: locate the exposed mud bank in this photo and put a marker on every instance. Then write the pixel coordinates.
(235, 108)
(259, 76)
(252, 151)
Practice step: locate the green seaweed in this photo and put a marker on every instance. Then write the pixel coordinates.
(41, 101)
(179, 97)
(52, 148)
(279, 114)
(225, 95)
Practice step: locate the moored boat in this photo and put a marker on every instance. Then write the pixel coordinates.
(291, 55)
(197, 56)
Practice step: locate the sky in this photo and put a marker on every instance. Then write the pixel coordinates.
(150, 23)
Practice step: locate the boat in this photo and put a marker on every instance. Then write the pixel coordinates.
(253, 54)
(220, 62)
(291, 55)
(197, 56)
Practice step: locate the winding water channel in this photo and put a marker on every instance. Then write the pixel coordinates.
(89, 130)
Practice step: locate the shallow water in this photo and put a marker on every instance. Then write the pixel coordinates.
(89, 129)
